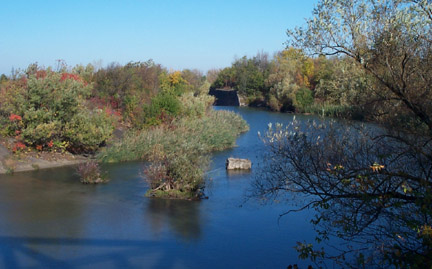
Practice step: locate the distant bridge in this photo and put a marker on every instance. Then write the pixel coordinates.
(225, 97)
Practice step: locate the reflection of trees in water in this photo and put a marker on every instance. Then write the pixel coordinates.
(183, 217)
(38, 199)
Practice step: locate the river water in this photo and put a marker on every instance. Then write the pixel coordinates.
(49, 219)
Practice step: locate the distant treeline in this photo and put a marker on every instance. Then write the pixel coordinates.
(293, 82)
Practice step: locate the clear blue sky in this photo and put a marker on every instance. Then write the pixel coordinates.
(178, 34)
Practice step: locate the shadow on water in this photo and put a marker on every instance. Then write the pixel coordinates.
(115, 253)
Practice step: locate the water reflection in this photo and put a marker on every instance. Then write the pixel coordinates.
(237, 173)
(183, 217)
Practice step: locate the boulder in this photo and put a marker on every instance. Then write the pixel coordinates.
(234, 163)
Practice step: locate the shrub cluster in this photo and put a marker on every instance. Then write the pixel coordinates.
(176, 174)
(90, 172)
(47, 109)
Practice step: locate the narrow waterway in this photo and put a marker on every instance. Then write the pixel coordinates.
(49, 219)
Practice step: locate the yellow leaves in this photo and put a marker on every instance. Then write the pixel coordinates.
(336, 167)
(175, 78)
(406, 188)
(173, 82)
(292, 53)
(376, 167)
(425, 231)
(400, 237)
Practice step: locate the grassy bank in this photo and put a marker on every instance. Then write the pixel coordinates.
(217, 130)
(334, 111)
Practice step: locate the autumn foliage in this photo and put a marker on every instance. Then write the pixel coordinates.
(47, 111)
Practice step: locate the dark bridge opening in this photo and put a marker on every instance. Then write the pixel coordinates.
(225, 97)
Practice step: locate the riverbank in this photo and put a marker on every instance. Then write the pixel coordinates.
(28, 161)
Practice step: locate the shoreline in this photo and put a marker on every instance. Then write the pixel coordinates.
(31, 161)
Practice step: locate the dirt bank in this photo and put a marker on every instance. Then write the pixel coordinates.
(27, 161)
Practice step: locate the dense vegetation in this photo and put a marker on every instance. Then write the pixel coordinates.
(178, 150)
(166, 118)
(46, 110)
(292, 81)
(370, 186)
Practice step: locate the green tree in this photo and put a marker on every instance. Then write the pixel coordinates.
(225, 79)
(194, 79)
(371, 186)
(304, 97)
(246, 75)
(346, 84)
(128, 87)
(3, 78)
(174, 83)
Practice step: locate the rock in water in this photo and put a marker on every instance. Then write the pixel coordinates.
(234, 163)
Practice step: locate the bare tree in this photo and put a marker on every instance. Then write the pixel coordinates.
(370, 186)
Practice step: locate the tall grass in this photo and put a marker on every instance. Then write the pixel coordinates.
(216, 130)
(335, 111)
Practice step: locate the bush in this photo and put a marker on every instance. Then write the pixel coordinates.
(49, 106)
(163, 107)
(337, 111)
(304, 98)
(90, 173)
(41, 133)
(195, 106)
(273, 103)
(178, 174)
(86, 132)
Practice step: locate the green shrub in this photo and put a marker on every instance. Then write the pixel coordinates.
(41, 133)
(86, 132)
(304, 98)
(337, 111)
(178, 174)
(195, 106)
(49, 106)
(162, 107)
(273, 103)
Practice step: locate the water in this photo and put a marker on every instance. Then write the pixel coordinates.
(49, 219)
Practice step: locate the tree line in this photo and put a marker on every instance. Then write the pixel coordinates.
(293, 81)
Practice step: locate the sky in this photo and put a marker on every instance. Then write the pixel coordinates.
(178, 34)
